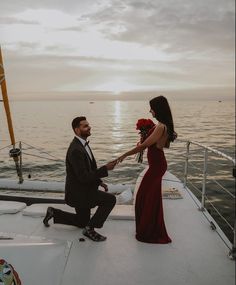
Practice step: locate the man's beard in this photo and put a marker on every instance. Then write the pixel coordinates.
(85, 135)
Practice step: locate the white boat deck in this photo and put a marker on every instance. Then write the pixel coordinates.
(196, 256)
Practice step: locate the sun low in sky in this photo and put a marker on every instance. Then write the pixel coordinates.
(73, 48)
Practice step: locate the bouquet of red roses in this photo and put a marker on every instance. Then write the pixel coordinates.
(144, 126)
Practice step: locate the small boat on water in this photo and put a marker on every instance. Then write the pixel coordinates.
(200, 252)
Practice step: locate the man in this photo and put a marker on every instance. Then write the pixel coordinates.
(81, 190)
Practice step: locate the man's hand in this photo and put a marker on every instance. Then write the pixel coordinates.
(104, 185)
(110, 165)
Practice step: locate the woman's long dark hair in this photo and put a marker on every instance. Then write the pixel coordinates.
(163, 114)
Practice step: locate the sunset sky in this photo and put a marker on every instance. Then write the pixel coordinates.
(74, 49)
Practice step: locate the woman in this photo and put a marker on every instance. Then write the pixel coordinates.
(150, 225)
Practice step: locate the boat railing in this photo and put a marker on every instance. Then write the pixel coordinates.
(203, 192)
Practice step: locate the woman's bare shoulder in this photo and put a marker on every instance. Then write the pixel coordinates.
(160, 127)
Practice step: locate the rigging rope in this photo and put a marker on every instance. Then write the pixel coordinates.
(43, 151)
(6, 146)
(43, 157)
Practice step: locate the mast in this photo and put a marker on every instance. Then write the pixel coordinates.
(15, 153)
(6, 101)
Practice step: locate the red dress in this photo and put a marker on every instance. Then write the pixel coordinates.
(150, 225)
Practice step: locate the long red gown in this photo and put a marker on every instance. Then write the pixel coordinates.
(150, 225)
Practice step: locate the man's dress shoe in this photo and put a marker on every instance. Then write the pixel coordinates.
(49, 216)
(93, 235)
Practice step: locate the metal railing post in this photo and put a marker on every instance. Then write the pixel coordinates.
(204, 181)
(232, 253)
(20, 168)
(186, 164)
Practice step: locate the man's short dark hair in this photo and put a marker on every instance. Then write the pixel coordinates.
(76, 122)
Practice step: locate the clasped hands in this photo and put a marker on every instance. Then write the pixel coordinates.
(111, 165)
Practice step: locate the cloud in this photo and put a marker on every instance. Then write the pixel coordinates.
(70, 46)
(70, 6)
(14, 20)
(175, 26)
(171, 26)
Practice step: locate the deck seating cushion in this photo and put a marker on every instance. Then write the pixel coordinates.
(11, 207)
(120, 212)
(39, 210)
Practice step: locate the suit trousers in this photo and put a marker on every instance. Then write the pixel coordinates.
(82, 217)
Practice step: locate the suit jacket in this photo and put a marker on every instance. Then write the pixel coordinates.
(82, 176)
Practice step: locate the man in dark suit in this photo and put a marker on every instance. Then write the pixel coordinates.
(81, 190)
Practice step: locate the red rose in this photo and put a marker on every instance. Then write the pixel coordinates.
(144, 124)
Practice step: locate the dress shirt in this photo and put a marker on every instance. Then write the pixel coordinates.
(85, 146)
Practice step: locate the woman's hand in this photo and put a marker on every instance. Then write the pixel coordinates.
(121, 158)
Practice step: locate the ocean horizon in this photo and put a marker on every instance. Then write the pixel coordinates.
(196, 94)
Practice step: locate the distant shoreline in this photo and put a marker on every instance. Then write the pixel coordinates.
(221, 93)
(120, 99)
